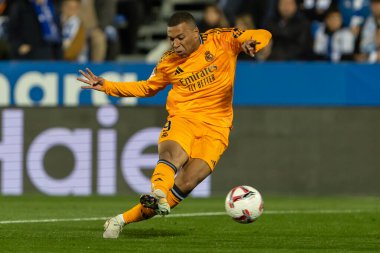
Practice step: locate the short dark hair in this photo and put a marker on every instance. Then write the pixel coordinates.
(181, 17)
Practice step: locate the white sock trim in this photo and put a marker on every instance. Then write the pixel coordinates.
(120, 218)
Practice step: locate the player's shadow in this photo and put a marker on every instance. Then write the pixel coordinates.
(151, 232)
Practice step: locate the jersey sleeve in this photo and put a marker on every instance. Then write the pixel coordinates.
(237, 37)
(147, 88)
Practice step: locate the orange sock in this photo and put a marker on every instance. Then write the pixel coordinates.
(163, 176)
(172, 200)
(139, 213)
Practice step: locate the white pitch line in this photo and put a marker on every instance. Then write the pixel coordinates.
(52, 220)
(271, 212)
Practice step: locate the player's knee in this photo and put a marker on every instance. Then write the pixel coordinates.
(187, 185)
(174, 157)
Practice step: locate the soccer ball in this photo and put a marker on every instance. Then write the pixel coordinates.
(244, 204)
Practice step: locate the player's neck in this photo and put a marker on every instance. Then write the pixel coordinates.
(197, 45)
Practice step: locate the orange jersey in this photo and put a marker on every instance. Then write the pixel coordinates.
(202, 83)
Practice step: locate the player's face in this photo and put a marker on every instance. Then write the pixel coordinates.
(184, 39)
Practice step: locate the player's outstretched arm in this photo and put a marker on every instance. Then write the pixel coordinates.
(146, 88)
(93, 82)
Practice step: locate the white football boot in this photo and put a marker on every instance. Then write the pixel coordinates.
(113, 227)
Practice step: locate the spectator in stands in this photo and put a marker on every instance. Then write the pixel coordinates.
(374, 54)
(333, 42)
(315, 10)
(354, 12)
(4, 46)
(213, 17)
(131, 12)
(73, 32)
(368, 40)
(260, 10)
(244, 21)
(98, 19)
(291, 33)
(34, 30)
(230, 9)
(3, 5)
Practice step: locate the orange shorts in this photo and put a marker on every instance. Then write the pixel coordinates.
(197, 138)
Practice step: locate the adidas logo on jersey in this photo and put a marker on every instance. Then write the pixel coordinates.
(178, 71)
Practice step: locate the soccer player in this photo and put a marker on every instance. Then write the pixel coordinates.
(201, 68)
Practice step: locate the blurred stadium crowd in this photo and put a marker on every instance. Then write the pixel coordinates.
(101, 30)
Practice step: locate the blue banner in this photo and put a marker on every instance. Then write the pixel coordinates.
(258, 84)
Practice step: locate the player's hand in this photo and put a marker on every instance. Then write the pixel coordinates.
(94, 82)
(249, 47)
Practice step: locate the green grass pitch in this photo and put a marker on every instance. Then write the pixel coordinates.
(289, 224)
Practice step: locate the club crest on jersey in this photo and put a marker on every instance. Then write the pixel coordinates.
(209, 57)
(237, 32)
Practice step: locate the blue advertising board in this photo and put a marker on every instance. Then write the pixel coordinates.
(256, 84)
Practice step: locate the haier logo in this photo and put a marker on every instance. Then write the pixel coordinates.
(89, 147)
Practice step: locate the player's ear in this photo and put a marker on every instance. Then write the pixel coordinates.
(196, 32)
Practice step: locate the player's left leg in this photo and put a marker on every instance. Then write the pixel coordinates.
(171, 156)
(192, 174)
(174, 148)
